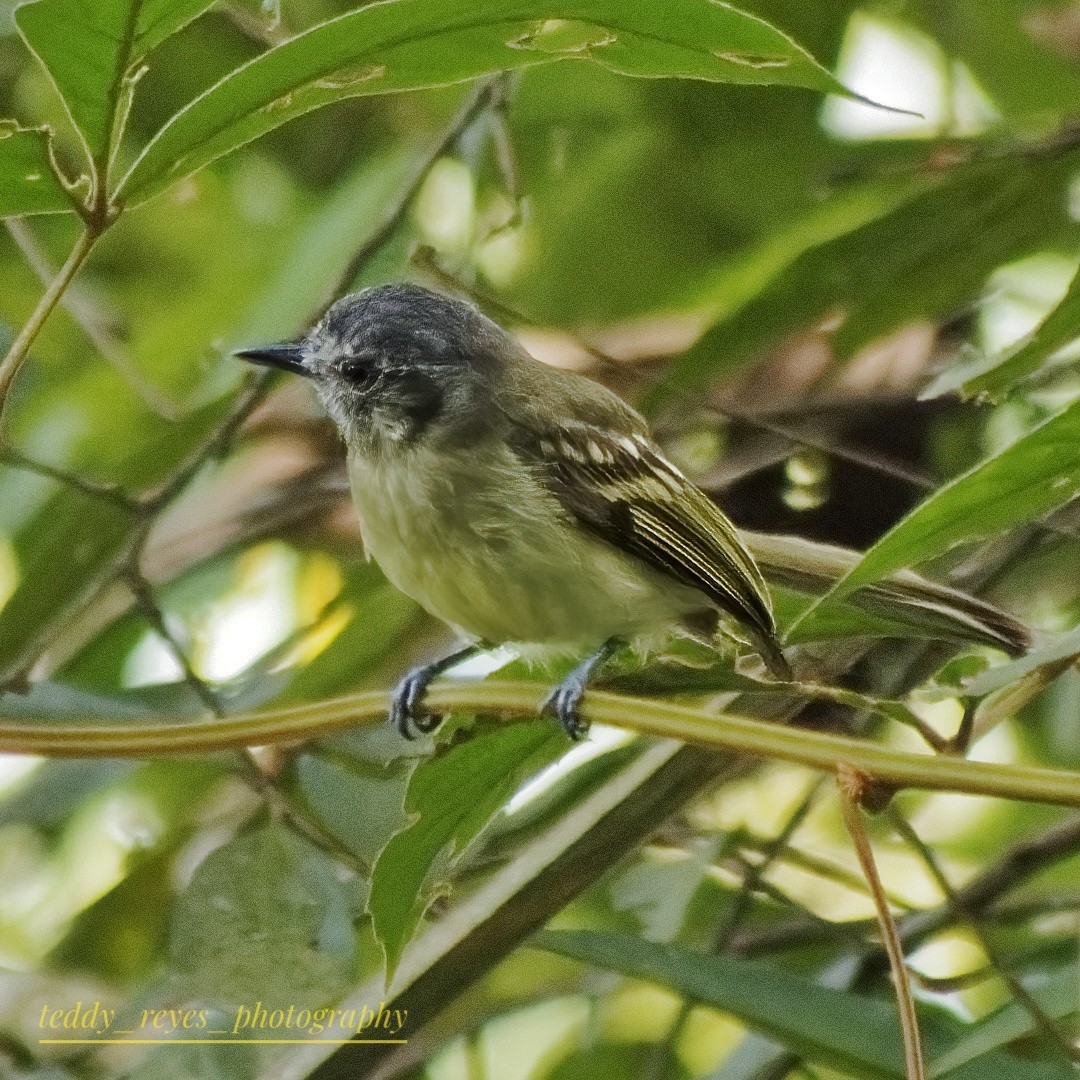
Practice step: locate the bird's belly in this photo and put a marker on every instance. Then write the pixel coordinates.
(496, 556)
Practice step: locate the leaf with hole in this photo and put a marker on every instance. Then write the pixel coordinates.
(408, 44)
(91, 52)
(28, 181)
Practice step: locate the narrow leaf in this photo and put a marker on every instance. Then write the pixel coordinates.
(28, 184)
(846, 1031)
(1060, 328)
(407, 44)
(1038, 472)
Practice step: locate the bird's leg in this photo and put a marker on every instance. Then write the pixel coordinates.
(565, 698)
(405, 713)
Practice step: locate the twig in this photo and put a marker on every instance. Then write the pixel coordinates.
(145, 602)
(92, 324)
(759, 738)
(16, 354)
(109, 493)
(1045, 1023)
(485, 94)
(215, 444)
(850, 784)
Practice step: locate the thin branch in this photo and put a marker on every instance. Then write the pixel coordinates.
(91, 322)
(216, 442)
(16, 354)
(110, 493)
(147, 605)
(1045, 1023)
(850, 784)
(483, 97)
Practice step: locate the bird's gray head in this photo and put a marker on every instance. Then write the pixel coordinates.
(395, 362)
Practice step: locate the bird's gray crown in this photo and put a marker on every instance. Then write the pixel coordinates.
(402, 324)
(394, 362)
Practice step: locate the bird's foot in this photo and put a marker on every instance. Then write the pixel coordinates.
(565, 700)
(406, 712)
(563, 703)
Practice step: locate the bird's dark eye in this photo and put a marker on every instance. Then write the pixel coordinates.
(356, 369)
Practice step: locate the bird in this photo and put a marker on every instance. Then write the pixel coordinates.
(518, 503)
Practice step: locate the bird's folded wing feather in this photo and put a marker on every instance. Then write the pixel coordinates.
(621, 487)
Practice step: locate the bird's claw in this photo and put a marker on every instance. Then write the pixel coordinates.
(405, 712)
(563, 703)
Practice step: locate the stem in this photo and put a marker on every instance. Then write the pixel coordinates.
(12, 361)
(831, 753)
(850, 784)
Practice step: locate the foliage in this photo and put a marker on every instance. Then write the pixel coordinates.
(854, 324)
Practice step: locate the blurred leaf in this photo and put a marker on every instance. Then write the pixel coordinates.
(266, 917)
(996, 38)
(356, 785)
(845, 1031)
(1056, 995)
(179, 1062)
(28, 181)
(1037, 473)
(613, 1061)
(90, 50)
(1059, 647)
(56, 788)
(659, 894)
(999, 374)
(922, 259)
(119, 937)
(450, 799)
(405, 44)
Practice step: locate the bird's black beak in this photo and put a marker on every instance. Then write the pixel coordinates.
(287, 355)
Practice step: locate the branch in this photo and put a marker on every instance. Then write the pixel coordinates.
(897, 768)
(16, 354)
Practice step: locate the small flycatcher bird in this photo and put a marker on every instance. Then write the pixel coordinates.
(516, 502)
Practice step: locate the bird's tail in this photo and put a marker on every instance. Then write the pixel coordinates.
(768, 648)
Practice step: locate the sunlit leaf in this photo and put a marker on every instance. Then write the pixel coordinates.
(405, 44)
(1001, 373)
(1038, 472)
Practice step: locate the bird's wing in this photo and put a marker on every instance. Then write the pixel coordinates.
(621, 487)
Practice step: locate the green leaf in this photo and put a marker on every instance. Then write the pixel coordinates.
(846, 1031)
(1061, 647)
(1057, 997)
(998, 375)
(90, 50)
(28, 181)
(407, 44)
(922, 258)
(450, 799)
(266, 917)
(1038, 472)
